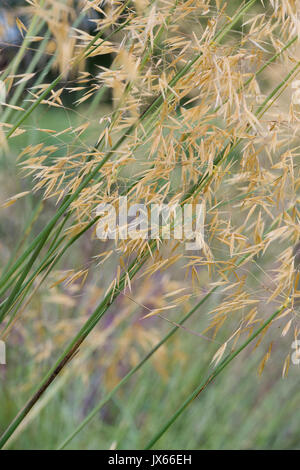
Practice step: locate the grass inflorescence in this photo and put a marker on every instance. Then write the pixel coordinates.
(198, 105)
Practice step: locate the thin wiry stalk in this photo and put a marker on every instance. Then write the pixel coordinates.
(18, 273)
(212, 376)
(48, 259)
(125, 379)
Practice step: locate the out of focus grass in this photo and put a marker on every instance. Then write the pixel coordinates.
(239, 411)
